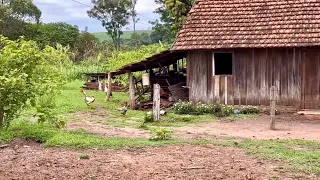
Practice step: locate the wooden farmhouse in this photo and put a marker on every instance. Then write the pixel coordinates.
(238, 49)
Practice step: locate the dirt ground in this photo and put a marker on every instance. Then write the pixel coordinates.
(287, 127)
(29, 160)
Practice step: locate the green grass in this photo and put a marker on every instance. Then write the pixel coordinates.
(70, 100)
(102, 36)
(175, 120)
(52, 137)
(300, 155)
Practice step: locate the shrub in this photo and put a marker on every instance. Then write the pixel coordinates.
(249, 110)
(161, 134)
(45, 111)
(184, 108)
(226, 110)
(216, 109)
(26, 72)
(148, 118)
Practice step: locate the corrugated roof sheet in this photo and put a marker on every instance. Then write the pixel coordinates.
(218, 24)
(161, 59)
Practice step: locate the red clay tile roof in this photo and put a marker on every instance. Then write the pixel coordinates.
(216, 24)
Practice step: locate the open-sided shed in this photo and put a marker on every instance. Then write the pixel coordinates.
(166, 69)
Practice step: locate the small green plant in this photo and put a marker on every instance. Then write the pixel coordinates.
(215, 109)
(161, 134)
(184, 108)
(226, 110)
(148, 118)
(143, 126)
(249, 110)
(84, 156)
(45, 111)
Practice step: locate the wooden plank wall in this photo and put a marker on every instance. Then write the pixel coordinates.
(311, 79)
(197, 80)
(254, 72)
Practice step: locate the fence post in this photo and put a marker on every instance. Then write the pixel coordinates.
(273, 108)
(109, 86)
(156, 102)
(132, 91)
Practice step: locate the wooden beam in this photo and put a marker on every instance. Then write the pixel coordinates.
(99, 84)
(109, 86)
(132, 102)
(156, 102)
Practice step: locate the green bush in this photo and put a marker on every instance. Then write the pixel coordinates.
(148, 118)
(45, 111)
(184, 108)
(249, 110)
(218, 110)
(161, 134)
(26, 72)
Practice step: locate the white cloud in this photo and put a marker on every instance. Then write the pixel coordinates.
(75, 13)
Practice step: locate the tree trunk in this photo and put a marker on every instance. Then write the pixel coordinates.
(1, 119)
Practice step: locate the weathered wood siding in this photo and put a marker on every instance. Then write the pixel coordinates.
(256, 70)
(197, 80)
(294, 72)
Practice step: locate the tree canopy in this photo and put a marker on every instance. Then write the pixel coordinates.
(114, 15)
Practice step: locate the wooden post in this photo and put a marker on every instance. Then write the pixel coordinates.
(109, 86)
(99, 84)
(156, 102)
(132, 102)
(226, 90)
(273, 107)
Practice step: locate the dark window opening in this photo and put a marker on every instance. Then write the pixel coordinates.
(222, 63)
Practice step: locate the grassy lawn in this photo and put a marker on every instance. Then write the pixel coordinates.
(52, 137)
(301, 156)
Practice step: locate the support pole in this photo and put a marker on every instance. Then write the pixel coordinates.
(109, 86)
(132, 102)
(156, 102)
(273, 108)
(99, 84)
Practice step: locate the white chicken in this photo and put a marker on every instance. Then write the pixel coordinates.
(88, 100)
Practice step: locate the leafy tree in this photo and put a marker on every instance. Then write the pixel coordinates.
(178, 10)
(85, 46)
(173, 14)
(16, 15)
(114, 15)
(134, 14)
(162, 29)
(24, 10)
(26, 73)
(57, 33)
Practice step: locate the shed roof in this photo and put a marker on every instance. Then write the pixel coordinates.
(162, 59)
(219, 24)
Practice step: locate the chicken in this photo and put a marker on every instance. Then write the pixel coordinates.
(88, 100)
(123, 110)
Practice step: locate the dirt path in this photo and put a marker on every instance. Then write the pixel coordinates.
(288, 127)
(29, 160)
(84, 120)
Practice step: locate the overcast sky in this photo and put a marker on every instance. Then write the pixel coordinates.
(76, 14)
